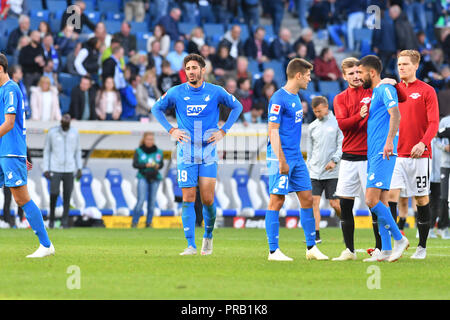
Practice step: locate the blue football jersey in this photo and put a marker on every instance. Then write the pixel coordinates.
(383, 98)
(197, 112)
(13, 144)
(286, 109)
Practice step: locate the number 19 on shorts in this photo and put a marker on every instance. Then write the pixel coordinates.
(182, 175)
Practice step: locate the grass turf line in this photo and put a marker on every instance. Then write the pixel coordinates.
(145, 264)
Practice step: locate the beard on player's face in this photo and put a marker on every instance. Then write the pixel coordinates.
(367, 82)
(195, 78)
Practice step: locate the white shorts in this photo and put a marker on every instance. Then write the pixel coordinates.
(352, 178)
(412, 176)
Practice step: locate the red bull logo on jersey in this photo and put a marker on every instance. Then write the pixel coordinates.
(415, 95)
(366, 100)
(195, 110)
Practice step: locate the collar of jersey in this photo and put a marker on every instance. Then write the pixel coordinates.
(292, 94)
(191, 88)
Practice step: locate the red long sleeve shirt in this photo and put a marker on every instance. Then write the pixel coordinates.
(347, 107)
(419, 118)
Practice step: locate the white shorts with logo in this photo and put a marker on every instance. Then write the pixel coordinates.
(412, 176)
(352, 178)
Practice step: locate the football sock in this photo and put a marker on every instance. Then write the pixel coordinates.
(393, 207)
(401, 223)
(423, 224)
(386, 221)
(348, 223)
(309, 225)
(272, 229)
(188, 219)
(376, 233)
(317, 234)
(209, 216)
(34, 217)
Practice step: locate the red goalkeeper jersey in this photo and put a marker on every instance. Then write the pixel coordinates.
(419, 118)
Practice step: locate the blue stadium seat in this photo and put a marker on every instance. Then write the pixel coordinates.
(112, 26)
(329, 87)
(7, 26)
(186, 27)
(40, 15)
(270, 35)
(3, 44)
(55, 20)
(139, 27)
(212, 29)
(114, 189)
(142, 38)
(253, 67)
(94, 16)
(280, 72)
(57, 5)
(34, 23)
(108, 5)
(117, 16)
(90, 5)
(64, 103)
(309, 95)
(87, 193)
(35, 4)
(245, 200)
(364, 37)
(68, 82)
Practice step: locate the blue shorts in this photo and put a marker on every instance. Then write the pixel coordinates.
(13, 171)
(379, 172)
(297, 180)
(188, 173)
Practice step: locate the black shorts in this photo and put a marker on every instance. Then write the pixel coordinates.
(329, 185)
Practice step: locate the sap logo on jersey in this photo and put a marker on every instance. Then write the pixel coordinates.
(195, 110)
(298, 116)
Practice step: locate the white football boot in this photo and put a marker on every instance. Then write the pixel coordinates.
(42, 252)
(420, 254)
(189, 251)
(345, 255)
(315, 254)
(379, 255)
(278, 256)
(399, 247)
(207, 246)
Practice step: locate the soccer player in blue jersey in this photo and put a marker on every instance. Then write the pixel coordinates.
(286, 168)
(382, 137)
(13, 157)
(196, 106)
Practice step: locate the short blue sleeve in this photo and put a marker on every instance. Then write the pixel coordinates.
(390, 97)
(10, 101)
(275, 109)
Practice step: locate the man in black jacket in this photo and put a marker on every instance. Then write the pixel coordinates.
(256, 47)
(82, 100)
(406, 38)
(31, 58)
(110, 64)
(68, 17)
(22, 30)
(127, 40)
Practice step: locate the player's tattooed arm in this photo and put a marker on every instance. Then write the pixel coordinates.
(10, 119)
(394, 124)
(274, 136)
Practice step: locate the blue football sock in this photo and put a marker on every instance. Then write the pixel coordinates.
(386, 221)
(34, 217)
(188, 218)
(385, 237)
(308, 225)
(272, 229)
(209, 216)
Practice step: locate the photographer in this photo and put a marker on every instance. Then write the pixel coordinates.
(148, 159)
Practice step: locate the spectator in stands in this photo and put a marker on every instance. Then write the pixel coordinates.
(301, 51)
(86, 62)
(170, 24)
(209, 74)
(445, 40)
(205, 51)
(232, 39)
(302, 9)
(306, 37)
(168, 77)
(102, 35)
(425, 46)
(79, 8)
(108, 52)
(250, 9)
(245, 95)
(22, 30)
(256, 47)
(325, 66)
(128, 97)
(127, 40)
(82, 100)
(154, 57)
(431, 70)
(267, 78)
(443, 99)
(16, 75)
(70, 63)
(281, 48)
(161, 8)
(355, 17)
(223, 64)
(159, 34)
(319, 14)
(51, 74)
(336, 26)
(384, 43)
(138, 63)
(190, 11)
(44, 29)
(404, 33)
(196, 41)
(108, 104)
(135, 9)
(66, 41)
(276, 12)
(31, 58)
(148, 159)
(111, 67)
(241, 71)
(415, 10)
(147, 93)
(62, 158)
(23, 42)
(259, 109)
(50, 52)
(176, 56)
(44, 101)
(231, 88)
(16, 8)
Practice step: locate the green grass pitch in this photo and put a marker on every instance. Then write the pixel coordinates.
(144, 264)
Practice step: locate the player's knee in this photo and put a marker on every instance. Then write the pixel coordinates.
(208, 201)
(307, 201)
(335, 205)
(371, 201)
(422, 201)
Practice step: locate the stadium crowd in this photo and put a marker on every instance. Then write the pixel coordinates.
(124, 55)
